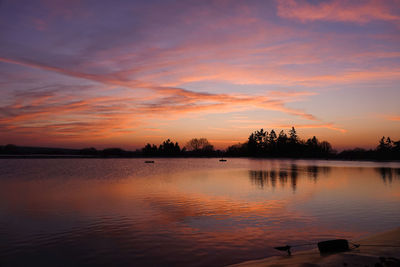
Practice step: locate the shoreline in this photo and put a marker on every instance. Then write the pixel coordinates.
(60, 156)
(386, 255)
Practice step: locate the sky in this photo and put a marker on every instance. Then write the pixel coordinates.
(126, 73)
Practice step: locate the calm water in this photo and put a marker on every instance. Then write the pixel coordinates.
(185, 212)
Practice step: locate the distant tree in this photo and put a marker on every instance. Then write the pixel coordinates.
(150, 150)
(199, 144)
(282, 144)
(312, 142)
(282, 137)
(169, 148)
(388, 149)
(261, 138)
(326, 148)
(382, 145)
(396, 149)
(383, 150)
(252, 144)
(177, 149)
(272, 137)
(293, 136)
(258, 142)
(396, 146)
(237, 150)
(389, 143)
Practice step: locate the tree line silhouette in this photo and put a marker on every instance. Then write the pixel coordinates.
(263, 144)
(195, 147)
(260, 143)
(387, 149)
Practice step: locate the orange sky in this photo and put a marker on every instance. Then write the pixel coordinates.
(78, 74)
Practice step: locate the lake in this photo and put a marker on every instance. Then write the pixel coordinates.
(185, 212)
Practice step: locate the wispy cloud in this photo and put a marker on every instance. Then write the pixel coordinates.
(329, 126)
(84, 117)
(393, 118)
(338, 10)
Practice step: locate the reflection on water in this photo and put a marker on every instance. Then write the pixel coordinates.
(181, 212)
(263, 178)
(269, 178)
(388, 174)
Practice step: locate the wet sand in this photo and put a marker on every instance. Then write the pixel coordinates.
(362, 256)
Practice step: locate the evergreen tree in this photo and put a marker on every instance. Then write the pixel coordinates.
(282, 138)
(168, 148)
(294, 139)
(389, 143)
(272, 138)
(252, 144)
(150, 150)
(382, 145)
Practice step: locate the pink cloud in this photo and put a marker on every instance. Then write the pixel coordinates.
(39, 24)
(177, 100)
(338, 10)
(79, 117)
(330, 126)
(393, 118)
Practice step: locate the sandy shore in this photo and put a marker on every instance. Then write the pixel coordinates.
(362, 256)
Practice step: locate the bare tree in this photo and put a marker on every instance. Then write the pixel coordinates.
(199, 144)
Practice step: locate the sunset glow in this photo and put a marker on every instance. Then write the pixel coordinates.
(127, 73)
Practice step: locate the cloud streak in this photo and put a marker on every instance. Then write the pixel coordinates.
(393, 118)
(165, 100)
(338, 10)
(44, 112)
(329, 126)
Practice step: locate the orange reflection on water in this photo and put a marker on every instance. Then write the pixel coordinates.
(243, 207)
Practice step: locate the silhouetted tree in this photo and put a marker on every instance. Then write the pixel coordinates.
(150, 150)
(272, 143)
(261, 139)
(382, 145)
(252, 144)
(282, 144)
(396, 146)
(396, 150)
(389, 143)
(168, 148)
(262, 144)
(293, 136)
(237, 150)
(316, 149)
(282, 138)
(388, 149)
(326, 148)
(272, 137)
(199, 146)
